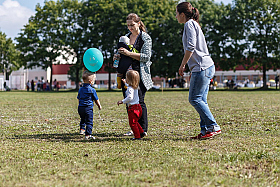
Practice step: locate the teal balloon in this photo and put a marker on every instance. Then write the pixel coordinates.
(93, 59)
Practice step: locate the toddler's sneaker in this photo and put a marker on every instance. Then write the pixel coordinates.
(130, 133)
(82, 131)
(89, 137)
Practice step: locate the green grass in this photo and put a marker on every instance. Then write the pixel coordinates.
(40, 144)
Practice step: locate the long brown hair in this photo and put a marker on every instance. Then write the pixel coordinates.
(134, 17)
(189, 11)
(132, 78)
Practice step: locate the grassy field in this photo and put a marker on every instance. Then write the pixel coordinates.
(40, 144)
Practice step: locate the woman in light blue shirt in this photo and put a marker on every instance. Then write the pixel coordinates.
(201, 66)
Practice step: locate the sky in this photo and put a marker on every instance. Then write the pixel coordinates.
(14, 14)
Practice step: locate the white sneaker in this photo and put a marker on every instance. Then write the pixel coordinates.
(130, 133)
(89, 137)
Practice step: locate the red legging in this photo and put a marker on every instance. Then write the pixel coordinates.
(134, 114)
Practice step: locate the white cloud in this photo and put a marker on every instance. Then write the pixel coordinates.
(13, 17)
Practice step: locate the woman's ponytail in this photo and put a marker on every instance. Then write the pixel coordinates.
(189, 11)
(195, 14)
(142, 26)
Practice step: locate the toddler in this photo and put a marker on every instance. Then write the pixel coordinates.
(124, 41)
(132, 101)
(86, 96)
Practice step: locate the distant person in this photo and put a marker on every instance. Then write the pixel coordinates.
(32, 86)
(211, 86)
(246, 82)
(47, 86)
(232, 84)
(227, 84)
(42, 84)
(6, 88)
(27, 85)
(132, 102)
(54, 84)
(201, 66)
(183, 82)
(38, 85)
(277, 80)
(86, 96)
(172, 82)
(57, 86)
(168, 81)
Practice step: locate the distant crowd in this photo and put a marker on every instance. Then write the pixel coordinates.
(176, 82)
(42, 85)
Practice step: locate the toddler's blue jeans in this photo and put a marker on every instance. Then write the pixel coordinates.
(86, 115)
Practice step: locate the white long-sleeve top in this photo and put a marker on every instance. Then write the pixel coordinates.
(132, 97)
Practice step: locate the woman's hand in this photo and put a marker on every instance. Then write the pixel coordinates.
(123, 51)
(119, 102)
(181, 70)
(185, 60)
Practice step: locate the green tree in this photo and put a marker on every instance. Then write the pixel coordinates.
(166, 33)
(9, 56)
(105, 21)
(258, 34)
(74, 29)
(217, 28)
(42, 41)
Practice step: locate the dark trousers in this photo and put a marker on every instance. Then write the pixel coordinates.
(134, 114)
(86, 115)
(143, 121)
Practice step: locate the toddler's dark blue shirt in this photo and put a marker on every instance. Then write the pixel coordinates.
(87, 95)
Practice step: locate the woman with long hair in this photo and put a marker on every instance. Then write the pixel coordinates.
(141, 62)
(201, 66)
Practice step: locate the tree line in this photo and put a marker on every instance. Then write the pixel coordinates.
(245, 33)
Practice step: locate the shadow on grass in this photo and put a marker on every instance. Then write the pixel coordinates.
(74, 137)
(101, 137)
